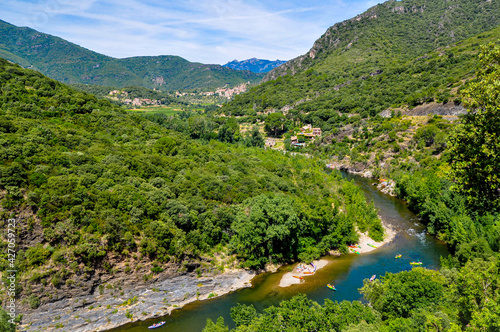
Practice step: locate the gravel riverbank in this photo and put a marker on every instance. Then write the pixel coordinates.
(109, 308)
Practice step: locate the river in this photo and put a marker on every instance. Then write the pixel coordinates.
(346, 272)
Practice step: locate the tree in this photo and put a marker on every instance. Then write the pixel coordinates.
(275, 123)
(166, 145)
(266, 228)
(477, 289)
(399, 294)
(216, 327)
(229, 132)
(255, 138)
(4, 322)
(243, 314)
(475, 144)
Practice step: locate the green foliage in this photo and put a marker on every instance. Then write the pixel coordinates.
(399, 294)
(255, 138)
(243, 314)
(302, 314)
(4, 322)
(216, 327)
(37, 255)
(166, 146)
(34, 301)
(70, 63)
(105, 183)
(392, 55)
(275, 124)
(476, 294)
(418, 300)
(475, 145)
(267, 228)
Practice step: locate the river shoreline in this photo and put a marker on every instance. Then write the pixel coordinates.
(107, 311)
(365, 243)
(102, 312)
(133, 302)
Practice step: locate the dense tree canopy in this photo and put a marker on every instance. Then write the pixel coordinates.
(100, 186)
(475, 146)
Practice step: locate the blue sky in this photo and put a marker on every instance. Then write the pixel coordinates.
(207, 31)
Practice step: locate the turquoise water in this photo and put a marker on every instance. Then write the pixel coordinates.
(346, 272)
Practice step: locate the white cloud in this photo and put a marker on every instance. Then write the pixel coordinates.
(209, 31)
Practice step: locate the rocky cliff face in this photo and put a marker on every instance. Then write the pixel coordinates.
(448, 109)
(412, 25)
(332, 39)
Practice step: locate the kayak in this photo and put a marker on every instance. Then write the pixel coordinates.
(154, 326)
(371, 245)
(398, 256)
(332, 287)
(298, 277)
(373, 277)
(416, 263)
(308, 272)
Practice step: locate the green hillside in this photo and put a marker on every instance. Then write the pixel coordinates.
(93, 187)
(458, 199)
(378, 59)
(70, 63)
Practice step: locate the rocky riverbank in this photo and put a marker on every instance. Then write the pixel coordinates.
(119, 304)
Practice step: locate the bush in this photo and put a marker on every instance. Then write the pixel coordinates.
(34, 301)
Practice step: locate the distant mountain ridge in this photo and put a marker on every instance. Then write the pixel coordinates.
(357, 66)
(254, 65)
(70, 63)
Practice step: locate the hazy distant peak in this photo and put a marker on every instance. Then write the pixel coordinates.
(254, 65)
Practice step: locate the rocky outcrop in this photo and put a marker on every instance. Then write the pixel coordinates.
(357, 170)
(119, 302)
(448, 109)
(438, 109)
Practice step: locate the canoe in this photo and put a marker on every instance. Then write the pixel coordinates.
(332, 287)
(298, 277)
(154, 326)
(308, 272)
(416, 263)
(373, 277)
(398, 256)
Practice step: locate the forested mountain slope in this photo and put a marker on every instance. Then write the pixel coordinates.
(70, 63)
(458, 199)
(95, 189)
(354, 66)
